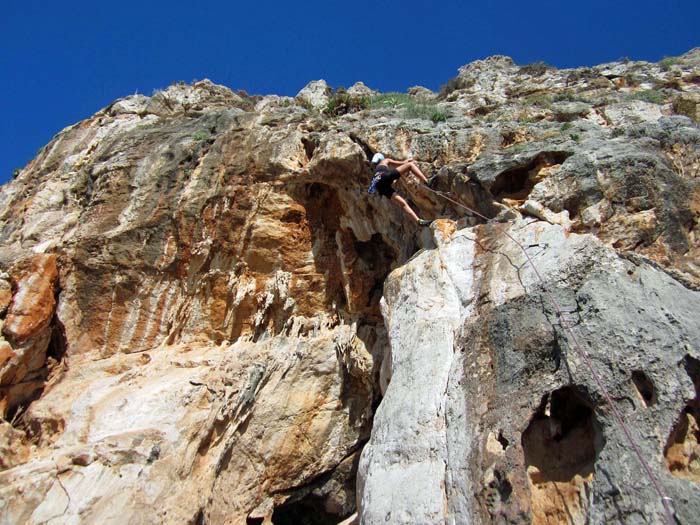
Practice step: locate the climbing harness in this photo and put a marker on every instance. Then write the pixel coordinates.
(666, 501)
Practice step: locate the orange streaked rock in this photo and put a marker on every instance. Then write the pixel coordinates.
(34, 303)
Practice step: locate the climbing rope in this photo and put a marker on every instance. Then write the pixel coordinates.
(666, 501)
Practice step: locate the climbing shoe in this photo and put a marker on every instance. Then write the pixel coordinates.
(424, 222)
(432, 180)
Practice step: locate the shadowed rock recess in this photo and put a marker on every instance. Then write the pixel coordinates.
(206, 319)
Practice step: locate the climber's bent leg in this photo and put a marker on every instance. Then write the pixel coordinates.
(400, 201)
(413, 168)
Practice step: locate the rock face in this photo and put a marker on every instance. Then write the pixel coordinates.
(490, 413)
(206, 318)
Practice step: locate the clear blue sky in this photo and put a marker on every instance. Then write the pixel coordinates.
(60, 62)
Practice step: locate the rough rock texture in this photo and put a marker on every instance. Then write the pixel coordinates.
(205, 317)
(315, 94)
(27, 331)
(491, 414)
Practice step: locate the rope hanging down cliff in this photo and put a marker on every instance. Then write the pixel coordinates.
(666, 501)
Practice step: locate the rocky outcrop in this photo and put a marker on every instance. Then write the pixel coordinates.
(27, 331)
(207, 319)
(491, 413)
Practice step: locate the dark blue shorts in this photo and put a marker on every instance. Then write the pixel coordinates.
(384, 187)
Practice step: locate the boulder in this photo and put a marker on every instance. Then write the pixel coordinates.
(316, 93)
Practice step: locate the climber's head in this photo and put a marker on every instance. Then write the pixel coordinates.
(378, 157)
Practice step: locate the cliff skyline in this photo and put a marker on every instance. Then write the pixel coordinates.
(62, 63)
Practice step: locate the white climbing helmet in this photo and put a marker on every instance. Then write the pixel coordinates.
(378, 157)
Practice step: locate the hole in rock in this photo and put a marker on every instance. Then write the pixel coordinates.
(645, 387)
(328, 499)
(682, 451)
(497, 493)
(254, 521)
(22, 395)
(505, 489)
(561, 445)
(503, 441)
(483, 110)
(294, 216)
(692, 368)
(517, 183)
(309, 510)
(19, 405)
(374, 264)
(310, 144)
(510, 137)
(58, 343)
(306, 511)
(691, 79)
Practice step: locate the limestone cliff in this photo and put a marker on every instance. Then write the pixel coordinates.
(206, 318)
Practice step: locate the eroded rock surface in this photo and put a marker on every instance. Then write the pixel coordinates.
(500, 420)
(205, 316)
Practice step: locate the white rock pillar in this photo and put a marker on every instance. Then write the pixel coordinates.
(402, 471)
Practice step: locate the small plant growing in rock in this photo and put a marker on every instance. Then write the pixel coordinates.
(540, 100)
(529, 119)
(425, 110)
(632, 80)
(582, 74)
(566, 126)
(568, 96)
(637, 132)
(16, 172)
(412, 107)
(391, 100)
(342, 103)
(535, 69)
(687, 106)
(455, 84)
(438, 116)
(649, 95)
(200, 135)
(302, 102)
(618, 132)
(667, 62)
(575, 137)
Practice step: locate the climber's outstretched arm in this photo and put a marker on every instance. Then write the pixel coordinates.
(396, 163)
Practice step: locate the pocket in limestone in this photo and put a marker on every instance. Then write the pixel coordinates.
(682, 449)
(561, 445)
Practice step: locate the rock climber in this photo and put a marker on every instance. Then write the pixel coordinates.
(386, 171)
